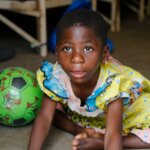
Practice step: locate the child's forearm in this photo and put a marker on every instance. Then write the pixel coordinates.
(39, 133)
(113, 141)
(62, 122)
(42, 124)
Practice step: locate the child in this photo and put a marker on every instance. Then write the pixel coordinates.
(89, 93)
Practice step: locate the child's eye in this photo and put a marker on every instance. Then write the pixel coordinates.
(88, 49)
(67, 49)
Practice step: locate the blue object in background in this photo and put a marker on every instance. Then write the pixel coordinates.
(110, 45)
(76, 4)
(52, 41)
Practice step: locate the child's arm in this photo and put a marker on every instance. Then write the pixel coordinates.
(113, 136)
(42, 124)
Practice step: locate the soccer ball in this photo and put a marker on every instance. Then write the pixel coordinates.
(20, 96)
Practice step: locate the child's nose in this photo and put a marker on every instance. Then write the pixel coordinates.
(77, 57)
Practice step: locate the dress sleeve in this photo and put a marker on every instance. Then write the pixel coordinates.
(49, 83)
(119, 87)
(137, 76)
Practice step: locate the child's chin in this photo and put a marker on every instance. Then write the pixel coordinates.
(78, 80)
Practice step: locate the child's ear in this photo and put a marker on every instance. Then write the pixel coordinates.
(106, 54)
(106, 51)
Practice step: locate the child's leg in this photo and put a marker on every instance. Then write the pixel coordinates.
(82, 141)
(132, 141)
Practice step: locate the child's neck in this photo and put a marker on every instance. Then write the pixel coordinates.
(83, 91)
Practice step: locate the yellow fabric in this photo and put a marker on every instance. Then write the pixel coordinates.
(119, 84)
(136, 112)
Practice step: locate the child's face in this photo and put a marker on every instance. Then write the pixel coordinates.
(80, 53)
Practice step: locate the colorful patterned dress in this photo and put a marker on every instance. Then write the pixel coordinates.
(115, 81)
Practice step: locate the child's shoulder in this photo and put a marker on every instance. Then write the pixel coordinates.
(122, 69)
(46, 68)
(126, 71)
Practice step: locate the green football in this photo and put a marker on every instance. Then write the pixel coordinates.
(20, 96)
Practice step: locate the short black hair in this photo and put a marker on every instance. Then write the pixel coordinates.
(83, 17)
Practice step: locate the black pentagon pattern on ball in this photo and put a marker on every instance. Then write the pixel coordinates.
(20, 121)
(18, 82)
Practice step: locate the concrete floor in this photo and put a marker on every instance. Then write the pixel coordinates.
(132, 47)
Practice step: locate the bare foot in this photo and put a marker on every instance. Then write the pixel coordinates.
(91, 133)
(83, 142)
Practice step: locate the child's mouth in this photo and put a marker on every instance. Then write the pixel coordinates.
(77, 74)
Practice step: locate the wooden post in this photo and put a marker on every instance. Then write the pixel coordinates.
(118, 22)
(141, 10)
(94, 4)
(42, 26)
